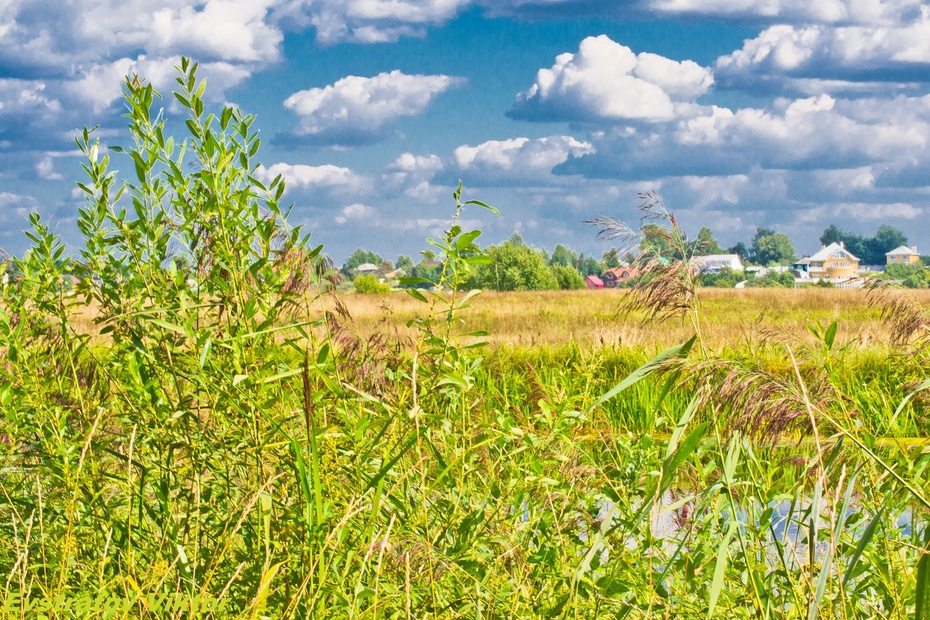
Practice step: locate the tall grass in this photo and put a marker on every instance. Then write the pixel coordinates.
(225, 430)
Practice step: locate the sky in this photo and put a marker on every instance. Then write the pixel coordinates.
(786, 114)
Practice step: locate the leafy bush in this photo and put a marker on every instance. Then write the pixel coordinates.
(370, 285)
(567, 277)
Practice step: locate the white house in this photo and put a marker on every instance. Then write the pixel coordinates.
(715, 263)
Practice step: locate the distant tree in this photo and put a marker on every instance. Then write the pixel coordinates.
(611, 258)
(561, 255)
(740, 250)
(831, 235)
(659, 242)
(885, 239)
(359, 257)
(771, 248)
(567, 277)
(705, 243)
(869, 250)
(386, 266)
(589, 266)
(405, 263)
(515, 267)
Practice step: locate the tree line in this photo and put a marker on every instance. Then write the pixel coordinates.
(518, 266)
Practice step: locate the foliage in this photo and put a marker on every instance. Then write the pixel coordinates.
(235, 437)
(561, 255)
(869, 250)
(771, 248)
(515, 266)
(724, 278)
(705, 244)
(359, 257)
(911, 276)
(567, 277)
(368, 284)
(405, 263)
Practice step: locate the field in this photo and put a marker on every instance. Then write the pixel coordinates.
(222, 431)
(594, 319)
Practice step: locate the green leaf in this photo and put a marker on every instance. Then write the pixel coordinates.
(720, 569)
(830, 335)
(863, 543)
(645, 370)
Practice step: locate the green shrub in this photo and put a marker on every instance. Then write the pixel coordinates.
(567, 277)
(369, 284)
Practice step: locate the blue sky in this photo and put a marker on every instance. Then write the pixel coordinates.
(788, 114)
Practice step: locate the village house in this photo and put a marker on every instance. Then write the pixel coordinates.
(833, 263)
(903, 255)
(715, 263)
(618, 275)
(593, 282)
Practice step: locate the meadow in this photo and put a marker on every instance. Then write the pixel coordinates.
(255, 439)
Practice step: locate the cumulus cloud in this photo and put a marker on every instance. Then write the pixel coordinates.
(357, 110)
(830, 58)
(59, 34)
(101, 85)
(797, 11)
(356, 213)
(322, 178)
(517, 160)
(608, 81)
(368, 21)
(811, 133)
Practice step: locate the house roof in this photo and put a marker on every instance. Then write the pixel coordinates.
(367, 267)
(828, 252)
(718, 260)
(902, 250)
(594, 280)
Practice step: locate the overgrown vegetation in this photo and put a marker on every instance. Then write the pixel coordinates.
(230, 433)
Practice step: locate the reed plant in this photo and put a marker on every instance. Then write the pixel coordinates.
(227, 430)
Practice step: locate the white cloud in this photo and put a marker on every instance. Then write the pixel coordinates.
(409, 163)
(46, 170)
(68, 34)
(101, 85)
(607, 81)
(26, 96)
(518, 160)
(798, 11)
(325, 177)
(845, 54)
(358, 109)
(232, 30)
(357, 213)
(368, 21)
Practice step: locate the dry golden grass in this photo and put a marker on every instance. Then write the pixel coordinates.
(594, 319)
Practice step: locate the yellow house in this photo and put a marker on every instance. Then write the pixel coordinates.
(833, 263)
(903, 255)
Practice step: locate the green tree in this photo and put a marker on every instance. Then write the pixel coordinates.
(832, 234)
(771, 248)
(705, 243)
(885, 239)
(514, 267)
(611, 258)
(567, 277)
(561, 255)
(589, 266)
(405, 263)
(740, 250)
(360, 257)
